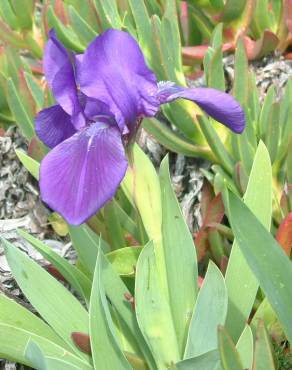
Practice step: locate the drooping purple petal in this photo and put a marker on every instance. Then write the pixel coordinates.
(114, 71)
(82, 173)
(60, 75)
(219, 105)
(53, 125)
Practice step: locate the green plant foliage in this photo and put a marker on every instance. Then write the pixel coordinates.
(210, 311)
(250, 232)
(241, 283)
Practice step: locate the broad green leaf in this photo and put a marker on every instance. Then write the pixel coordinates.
(116, 290)
(153, 311)
(61, 310)
(210, 311)
(13, 342)
(29, 163)
(141, 185)
(180, 258)
(207, 361)
(17, 108)
(86, 243)
(124, 260)
(244, 347)
(36, 357)
(263, 353)
(241, 283)
(230, 359)
(13, 314)
(106, 350)
(265, 258)
(74, 276)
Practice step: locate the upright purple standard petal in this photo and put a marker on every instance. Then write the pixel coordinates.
(82, 173)
(113, 70)
(219, 105)
(53, 125)
(60, 75)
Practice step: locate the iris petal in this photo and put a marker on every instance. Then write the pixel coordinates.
(82, 173)
(217, 104)
(60, 75)
(114, 71)
(53, 125)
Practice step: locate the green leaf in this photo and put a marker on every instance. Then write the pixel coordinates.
(124, 260)
(86, 243)
(29, 163)
(35, 90)
(108, 13)
(80, 26)
(263, 354)
(233, 9)
(273, 131)
(106, 350)
(114, 231)
(265, 112)
(210, 311)
(63, 312)
(230, 359)
(241, 283)
(17, 108)
(116, 290)
(36, 356)
(153, 311)
(175, 142)
(23, 13)
(207, 361)
(15, 315)
(13, 342)
(65, 34)
(7, 14)
(216, 144)
(180, 258)
(141, 186)
(275, 281)
(213, 64)
(75, 277)
(240, 88)
(244, 347)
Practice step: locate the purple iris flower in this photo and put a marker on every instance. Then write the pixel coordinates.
(101, 97)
